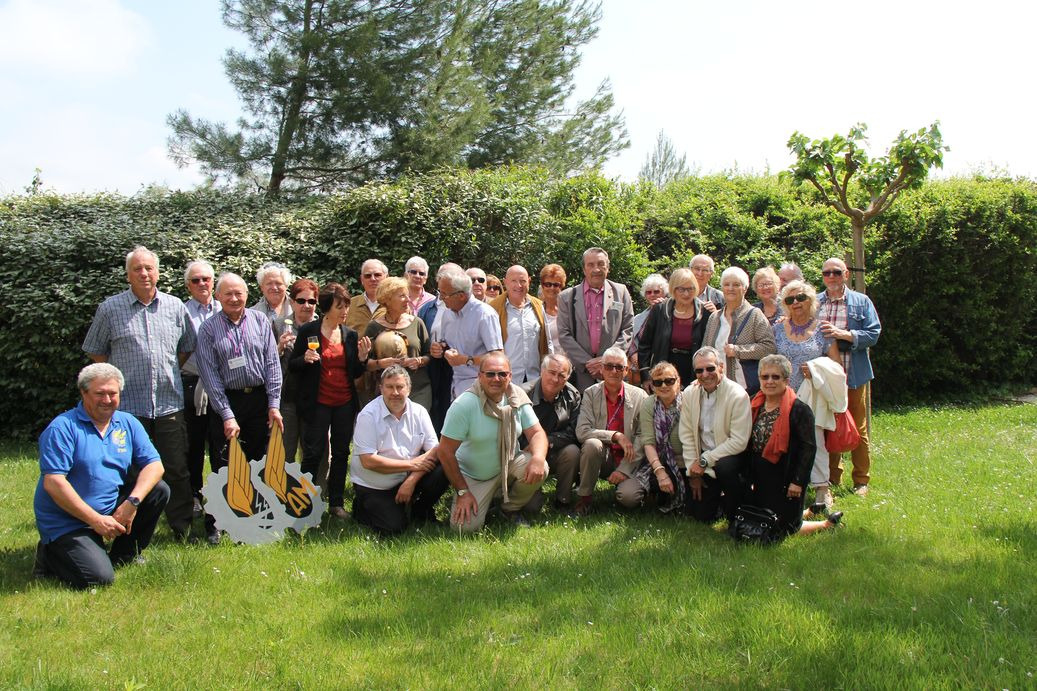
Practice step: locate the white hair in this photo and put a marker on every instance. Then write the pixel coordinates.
(274, 267)
(655, 281)
(558, 359)
(141, 249)
(615, 352)
(712, 264)
(378, 262)
(416, 262)
(794, 268)
(224, 276)
(458, 280)
(738, 273)
(198, 262)
(99, 370)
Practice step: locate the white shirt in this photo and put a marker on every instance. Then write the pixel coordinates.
(707, 416)
(722, 335)
(371, 304)
(378, 431)
(523, 344)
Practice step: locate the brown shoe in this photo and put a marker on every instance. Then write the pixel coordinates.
(583, 506)
(860, 490)
(339, 513)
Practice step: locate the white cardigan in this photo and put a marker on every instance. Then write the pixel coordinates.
(732, 424)
(824, 391)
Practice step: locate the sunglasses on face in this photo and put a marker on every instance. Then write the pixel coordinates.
(479, 279)
(707, 368)
(614, 366)
(771, 377)
(668, 381)
(378, 275)
(496, 375)
(494, 289)
(550, 284)
(830, 273)
(305, 301)
(201, 279)
(416, 272)
(800, 297)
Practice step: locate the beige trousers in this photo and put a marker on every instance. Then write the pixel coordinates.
(484, 491)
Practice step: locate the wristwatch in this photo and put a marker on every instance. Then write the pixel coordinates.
(461, 492)
(134, 502)
(702, 462)
(470, 362)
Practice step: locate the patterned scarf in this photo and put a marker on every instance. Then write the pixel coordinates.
(663, 420)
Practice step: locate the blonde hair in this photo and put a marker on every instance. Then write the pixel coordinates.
(388, 287)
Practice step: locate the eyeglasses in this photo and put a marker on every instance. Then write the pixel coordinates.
(415, 272)
(707, 368)
(685, 289)
(494, 289)
(830, 273)
(374, 275)
(669, 381)
(799, 297)
(550, 284)
(305, 301)
(654, 291)
(770, 377)
(614, 366)
(446, 296)
(201, 279)
(764, 284)
(496, 375)
(479, 279)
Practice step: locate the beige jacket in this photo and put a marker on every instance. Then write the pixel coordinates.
(594, 417)
(731, 427)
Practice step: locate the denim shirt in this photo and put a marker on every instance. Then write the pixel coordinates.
(863, 322)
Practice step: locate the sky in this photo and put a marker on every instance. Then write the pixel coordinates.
(86, 85)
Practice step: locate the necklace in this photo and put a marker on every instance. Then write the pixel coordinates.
(797, 330)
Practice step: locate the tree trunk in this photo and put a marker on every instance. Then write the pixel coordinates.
(857, 270)
(296, 96)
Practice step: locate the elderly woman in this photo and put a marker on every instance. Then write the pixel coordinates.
(674, 329)
(273, 280)
(416, 269)
(739, 331)
(400, 338)
(766, 285)
(654, 290)
(800, 339)
(552, 282)
(493, 287)
(326, 358)
(661, 473)
(782, 450)
(302, 295)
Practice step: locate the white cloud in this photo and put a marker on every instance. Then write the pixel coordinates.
(93, 39)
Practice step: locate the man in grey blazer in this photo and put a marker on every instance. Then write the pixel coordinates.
(592, 317)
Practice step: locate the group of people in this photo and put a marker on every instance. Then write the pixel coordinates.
(698, 404)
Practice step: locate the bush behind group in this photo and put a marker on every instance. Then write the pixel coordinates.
(950, 267)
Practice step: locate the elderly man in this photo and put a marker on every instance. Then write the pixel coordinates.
(87, 494)
(850, 318)
(556, 404)
(273, 280)
(440, 374)
(523, 326)
(361, 310)
(715, 422)
(702, 266)
(478, 277)
(593, 317)
(479, 448)
(416, 270)
(198, 277)
(148, 335)
(468, 330)
(789, 272)
(240, 370)
(610, 433)
(394, 459)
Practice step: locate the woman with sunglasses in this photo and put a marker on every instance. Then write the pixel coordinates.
(662, 472)
(302, 297)
(408, 343)
(673, 330)
(417, 274)
(781, 451)
(493, 287)
(799, 338)
(552, 283)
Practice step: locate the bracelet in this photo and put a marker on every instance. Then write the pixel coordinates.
(657, 468)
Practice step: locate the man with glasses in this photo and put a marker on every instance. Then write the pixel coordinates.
(361, 310)
(198, 277)
(478, 277)
(715, 422)
(468, 330)
(148, 335)
(850, 318)
(556, 403)
(702, 266)
(608, 429)
(479, 448)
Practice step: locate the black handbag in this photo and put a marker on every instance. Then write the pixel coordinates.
(755, 524)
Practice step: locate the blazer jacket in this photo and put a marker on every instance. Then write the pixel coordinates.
(594, 417)
(574, 333)
(308, 374)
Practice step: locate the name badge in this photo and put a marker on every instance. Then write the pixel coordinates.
(236, 362)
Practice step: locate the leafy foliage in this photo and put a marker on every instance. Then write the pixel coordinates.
(662, 166)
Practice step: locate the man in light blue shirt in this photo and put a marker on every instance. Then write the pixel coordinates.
(468, 330)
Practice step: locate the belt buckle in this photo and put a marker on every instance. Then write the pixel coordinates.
(248, 389)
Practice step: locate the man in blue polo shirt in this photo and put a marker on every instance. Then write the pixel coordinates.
(85, 496)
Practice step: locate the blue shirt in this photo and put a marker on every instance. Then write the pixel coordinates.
(221, 342)
(95, 466)
(198, 313)
(144, 342)
(475, 330)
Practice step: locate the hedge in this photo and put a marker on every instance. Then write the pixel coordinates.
(951, 266)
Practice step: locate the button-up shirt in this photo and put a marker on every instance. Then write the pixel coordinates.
(707, 418)
(378, 431)
(221, 341)
(834, 311)
(474, 330)
(144, 342)
(594, 303)
(198, 313)
(523, 344)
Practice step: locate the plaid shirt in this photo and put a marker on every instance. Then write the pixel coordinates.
(834, 310)
(143, 341)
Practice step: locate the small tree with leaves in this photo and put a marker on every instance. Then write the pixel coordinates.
(859, 187)
(663, 165)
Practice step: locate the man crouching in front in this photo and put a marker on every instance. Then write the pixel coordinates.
(84, 495)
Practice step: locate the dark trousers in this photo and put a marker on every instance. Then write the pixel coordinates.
(168, 435)
(340, 420)
(377, 508)
(723, 492)
(198, 436)
(79, 559)
(770, 489)
(251, 413)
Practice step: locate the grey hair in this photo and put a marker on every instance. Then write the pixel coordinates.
(738, 273)
(198, 262)
(794, 268)
(594, 250)
(379, 262)
(99, 370)
(795, 287)
(617, 352)
(712, 264)
(141, 249)
(448, 268)
(705, 351)
(395, 371)
(458, 281)
(557, 358)
(272, 267)
(654, 281)
(416, 263)
(223, 277)
(779, 361)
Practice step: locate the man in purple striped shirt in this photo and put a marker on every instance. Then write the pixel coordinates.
(240, 370)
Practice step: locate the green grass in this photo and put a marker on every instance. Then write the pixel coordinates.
(930, 584)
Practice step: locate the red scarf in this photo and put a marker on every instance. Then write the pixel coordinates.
(778, 444)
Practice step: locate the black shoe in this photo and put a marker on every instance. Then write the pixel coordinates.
(39, 564)
(835, 517)
(213, 537)
(517, 518)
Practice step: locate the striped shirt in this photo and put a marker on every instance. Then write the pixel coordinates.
(220, 341)
(834, 311)
(198, 313)
(144, 342)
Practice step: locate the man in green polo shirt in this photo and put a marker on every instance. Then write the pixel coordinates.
(479, 448)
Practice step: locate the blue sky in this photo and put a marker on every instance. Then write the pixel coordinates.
(86, 85)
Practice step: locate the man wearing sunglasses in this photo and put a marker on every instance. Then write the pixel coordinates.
(714, 428)
(850, 318)
(608, 429)
(361, 309)
(478, 277)
(479, 448)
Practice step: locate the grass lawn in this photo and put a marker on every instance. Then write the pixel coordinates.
(930, 584)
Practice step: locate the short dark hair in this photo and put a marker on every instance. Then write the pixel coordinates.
(332, 294)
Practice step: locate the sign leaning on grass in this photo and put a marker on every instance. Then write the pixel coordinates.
(256, 501)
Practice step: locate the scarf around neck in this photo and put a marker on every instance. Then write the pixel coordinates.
(778, 444)
(507, 440)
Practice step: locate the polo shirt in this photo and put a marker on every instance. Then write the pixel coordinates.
(378, 431)
(478, 455)
(96, 466)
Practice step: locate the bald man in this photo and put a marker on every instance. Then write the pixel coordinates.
(523, 326)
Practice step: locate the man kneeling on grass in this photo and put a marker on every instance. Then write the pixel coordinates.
(85, 494)
(479, 447)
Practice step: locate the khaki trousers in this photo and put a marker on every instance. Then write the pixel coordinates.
(484, 491)
(858, 404)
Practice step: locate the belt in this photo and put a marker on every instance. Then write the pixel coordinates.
(248, 389)
(680, 351)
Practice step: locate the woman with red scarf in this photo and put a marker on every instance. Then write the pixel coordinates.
(782, 450)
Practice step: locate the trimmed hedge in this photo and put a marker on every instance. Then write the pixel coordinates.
(951, 266)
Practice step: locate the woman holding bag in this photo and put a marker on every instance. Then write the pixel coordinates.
(739, 331)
